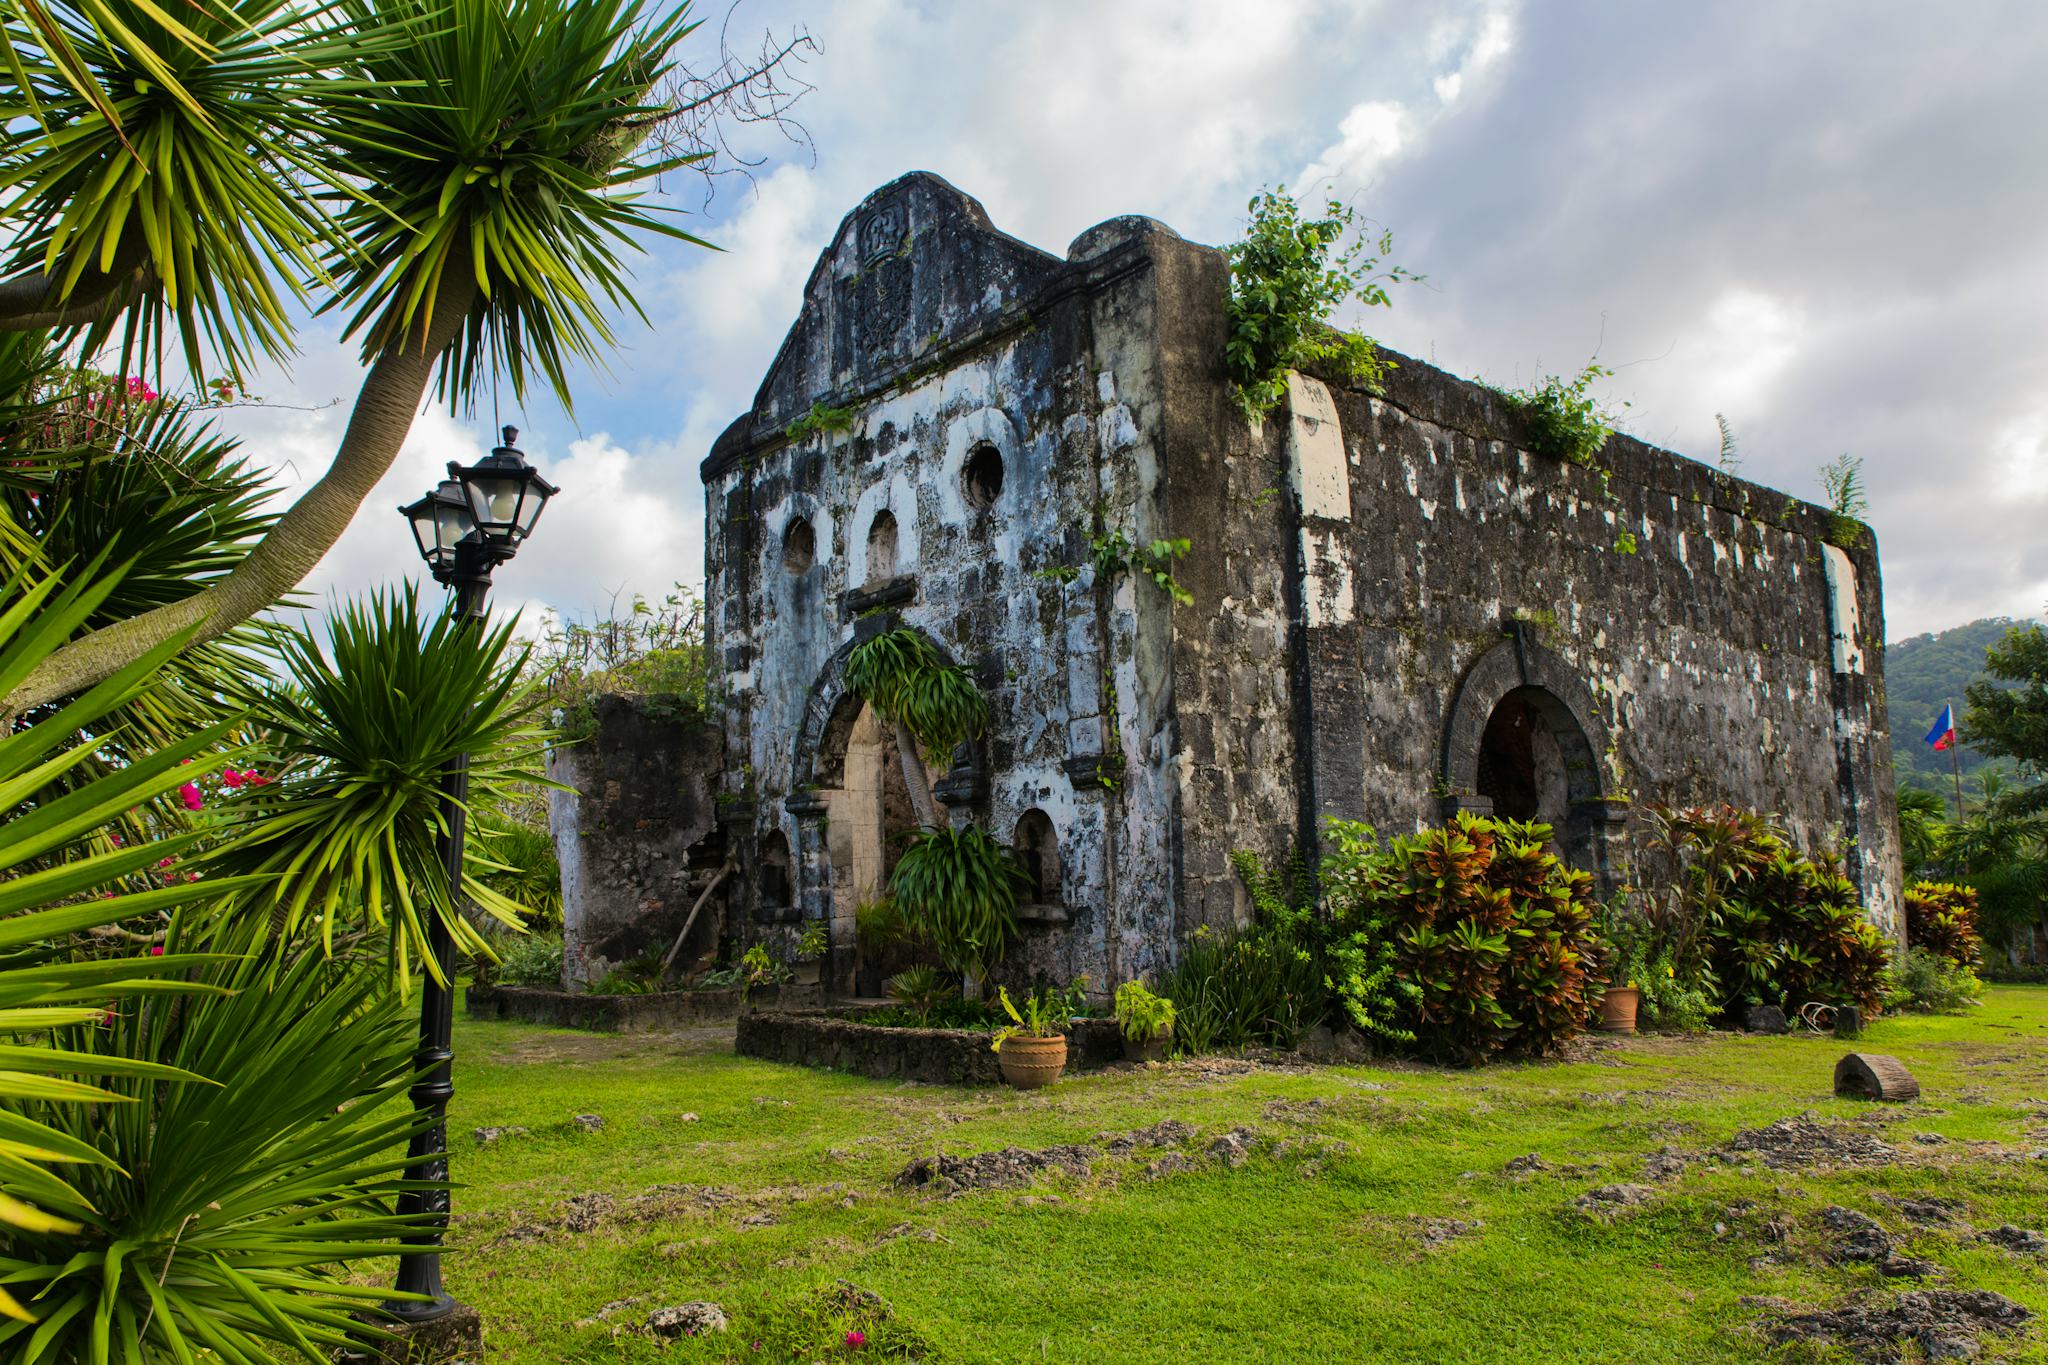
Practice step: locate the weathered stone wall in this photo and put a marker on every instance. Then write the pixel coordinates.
(1711, 641)
(1378, 581)
(943, 344)
(632, 833)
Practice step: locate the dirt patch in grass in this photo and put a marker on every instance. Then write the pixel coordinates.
(1792, 1143)
(1946, 1324)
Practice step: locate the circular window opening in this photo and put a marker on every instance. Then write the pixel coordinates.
(983, 477)
(799, 546)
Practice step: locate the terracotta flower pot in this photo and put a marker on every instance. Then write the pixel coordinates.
(1153, 1050)
(1029, 1063)
(1618, 1009)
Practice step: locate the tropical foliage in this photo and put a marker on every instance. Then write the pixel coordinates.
(1776, 927)
(459, 176)
(364, 735)
(1142, 1015)
(901, 675)
(1942, 918)
(958, 890)
(2011, 721)
(652, 649)
(1288, 274)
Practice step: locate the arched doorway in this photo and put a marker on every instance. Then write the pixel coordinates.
(1524, 741)
(1522, 764)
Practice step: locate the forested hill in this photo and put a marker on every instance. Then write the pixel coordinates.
(1923, 674)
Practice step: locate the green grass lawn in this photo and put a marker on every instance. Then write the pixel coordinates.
(780, 1206)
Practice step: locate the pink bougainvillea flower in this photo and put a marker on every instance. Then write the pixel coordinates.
(156, 950)
(855, 1339)
(256, 779)
(166, 862)
(189, 794)
(114, 838)
(230, 778)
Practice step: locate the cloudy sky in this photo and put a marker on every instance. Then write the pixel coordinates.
(1823, 220)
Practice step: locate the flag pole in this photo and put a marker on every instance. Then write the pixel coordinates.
(1955, 761)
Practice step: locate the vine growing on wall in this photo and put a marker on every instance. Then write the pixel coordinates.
(1115, 551)
(821, 417)
(1288, 274)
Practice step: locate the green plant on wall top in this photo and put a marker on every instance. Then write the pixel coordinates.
(821, 417)
(958, 890)
(1565, 421)
(1287, 275)
(1847, 504)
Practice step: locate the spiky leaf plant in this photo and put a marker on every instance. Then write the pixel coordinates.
(217, 1216)
(506, 164)
(168, 184)
(958, 890)
(362, 739)
(53, 891)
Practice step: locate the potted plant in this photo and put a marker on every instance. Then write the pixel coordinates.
(1628, 953)
(1146, 1020)
(1032, 1048)
(810, 949)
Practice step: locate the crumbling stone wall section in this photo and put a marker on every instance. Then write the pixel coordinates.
(634, 833)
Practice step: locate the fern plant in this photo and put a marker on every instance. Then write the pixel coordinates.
(901, 675)
(1848, 505)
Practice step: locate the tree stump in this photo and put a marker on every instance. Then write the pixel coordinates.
(1869, 1076)
(1848, 1022)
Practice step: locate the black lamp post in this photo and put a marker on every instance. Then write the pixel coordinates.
(474, 521)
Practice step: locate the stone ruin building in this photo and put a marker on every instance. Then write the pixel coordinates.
(1399, 611)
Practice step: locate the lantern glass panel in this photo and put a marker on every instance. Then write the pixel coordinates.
(529, 511)
(494, 497)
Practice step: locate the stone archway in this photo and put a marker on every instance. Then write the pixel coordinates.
(853, 807)
(1524, 740)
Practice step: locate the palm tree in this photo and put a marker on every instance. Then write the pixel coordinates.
(458, 174)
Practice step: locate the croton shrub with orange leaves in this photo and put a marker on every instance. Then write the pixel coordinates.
(1494, 937)
(1942, 918)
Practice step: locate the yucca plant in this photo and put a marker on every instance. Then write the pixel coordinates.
(53, 890)
(455, 173)
(214, 1217)
(958, 890)
(362, 739)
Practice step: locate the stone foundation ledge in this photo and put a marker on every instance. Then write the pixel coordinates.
(836, 1040)
(625, 1013)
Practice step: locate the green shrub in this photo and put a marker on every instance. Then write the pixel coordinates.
(1942, 918)
(1672, 1002)
(1564, 420)
(1235, 991)
(1287, 276)
(1494, 933)
(1142, 1015)
(1928, 983)
(646, 974)
(1793, 932)
(532, 960)
(1360, 958)
(920, 990)
(958, 891)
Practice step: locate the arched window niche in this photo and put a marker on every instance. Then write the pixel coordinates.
(881, 548)
(773, 876)
(1036, 845)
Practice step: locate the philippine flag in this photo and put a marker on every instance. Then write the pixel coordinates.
(1944, 732)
